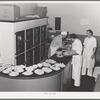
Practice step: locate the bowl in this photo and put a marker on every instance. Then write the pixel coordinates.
(58, 52)
(39, 65)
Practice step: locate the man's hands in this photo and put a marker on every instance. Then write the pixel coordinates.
(93, 56)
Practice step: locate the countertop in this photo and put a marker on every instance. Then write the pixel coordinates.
(21, 19)
(64, 60)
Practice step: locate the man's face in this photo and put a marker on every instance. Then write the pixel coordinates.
(63, 36)
(89, 34)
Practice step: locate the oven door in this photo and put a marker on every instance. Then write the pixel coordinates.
(20, 42)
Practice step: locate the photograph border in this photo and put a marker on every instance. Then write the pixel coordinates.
(49, 95)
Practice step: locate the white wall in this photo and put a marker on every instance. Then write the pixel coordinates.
(75, 17)
(25, 8)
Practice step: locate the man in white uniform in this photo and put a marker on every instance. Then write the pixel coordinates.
(76, 59)
(90, 45)
(57, 42)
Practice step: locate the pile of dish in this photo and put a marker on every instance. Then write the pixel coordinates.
(67, 53)
(16, 70)
(12, 70)
(63, 53)
(59, 54)
(39, 69)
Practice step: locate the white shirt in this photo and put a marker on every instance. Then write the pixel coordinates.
(90, 43)
(77, 46)
(57, 41)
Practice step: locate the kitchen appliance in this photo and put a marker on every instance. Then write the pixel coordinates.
(36, 54)
(36, 36)
(43, 51)
(20, 42)
(29, 38)
(9, 12)
(43, 33)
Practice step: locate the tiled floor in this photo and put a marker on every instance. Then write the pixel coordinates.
(87, 85)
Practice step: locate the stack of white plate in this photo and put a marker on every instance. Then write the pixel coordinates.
(7, 71)
(18, 69)
(50, 61)
(27, 73)
(62, 65)
(39, 65)
(60, 56)
(47, 70)
(30, 68)
(59, 65)
(56, 68)
(39, 72)
(46, 64)
(13, 73)
(35, 66)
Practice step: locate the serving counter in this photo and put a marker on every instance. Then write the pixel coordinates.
(47, 82)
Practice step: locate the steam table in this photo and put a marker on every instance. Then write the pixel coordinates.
(48, 82)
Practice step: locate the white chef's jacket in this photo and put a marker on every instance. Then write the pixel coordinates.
(55, 44)
(89, 44)
(77, 61)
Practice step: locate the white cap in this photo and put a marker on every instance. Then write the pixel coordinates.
(63, 33)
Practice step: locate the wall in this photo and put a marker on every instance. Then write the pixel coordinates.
(25, 8)
(75, 17)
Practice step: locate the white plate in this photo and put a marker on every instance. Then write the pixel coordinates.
(46, 64)
(50, 61)
(55, 68)
(47, 70)
(39, 65)
(27, 73)
(58, 52)
(67, 53)
(20, 70)
(35, 66)
(22, 66)
(60, 56)
(39, 72)
(13, 73)
(62, 65)
(31, 68)
(6, 71)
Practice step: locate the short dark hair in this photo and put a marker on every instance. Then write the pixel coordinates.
(89, 30)
(73, 36)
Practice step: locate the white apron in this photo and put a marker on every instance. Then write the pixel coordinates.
(55, 44)
(77, 62)
(76, 70)
(53, 50)
(88, 62)
(89, 44)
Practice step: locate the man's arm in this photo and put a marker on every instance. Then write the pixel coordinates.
(73, 52)
(94, 51)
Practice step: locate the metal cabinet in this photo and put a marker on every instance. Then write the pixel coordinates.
(20, 42)
(20, 60)
(36, 54)
(43, 33)
(29, 38)
(18, 38)
(43, 51)
(29, 58)
(31, 46)
(36, 36)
